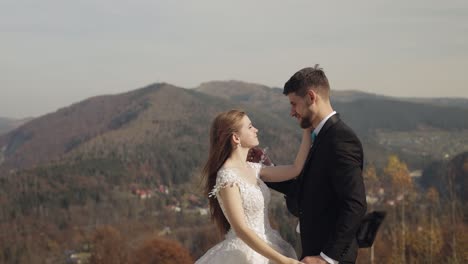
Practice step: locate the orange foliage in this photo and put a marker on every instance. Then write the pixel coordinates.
(425, 243)
(399, 173)
(161, 251)
(108, 247)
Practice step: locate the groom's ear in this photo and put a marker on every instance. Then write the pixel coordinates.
(311, 96)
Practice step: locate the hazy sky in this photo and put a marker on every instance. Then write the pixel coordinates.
(54, 53)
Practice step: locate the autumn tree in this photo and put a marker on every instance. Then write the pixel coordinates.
(374, 193)
(454, 213)
(161, 251)
(433, 199)
(424, 242)
(401, 183)
(108, 246)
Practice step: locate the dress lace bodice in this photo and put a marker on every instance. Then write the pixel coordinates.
(255, 200)
(255, 197)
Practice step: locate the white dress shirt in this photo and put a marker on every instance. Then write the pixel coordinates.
(320, 125)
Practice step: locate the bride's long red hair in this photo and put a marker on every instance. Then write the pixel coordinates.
(222, 128)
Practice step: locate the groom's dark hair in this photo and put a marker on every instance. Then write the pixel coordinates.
(305, 79)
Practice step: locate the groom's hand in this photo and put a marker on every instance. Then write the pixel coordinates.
(314, 260)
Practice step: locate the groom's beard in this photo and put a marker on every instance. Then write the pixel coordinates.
(306, 120)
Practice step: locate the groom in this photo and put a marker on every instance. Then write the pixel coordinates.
(328, 196)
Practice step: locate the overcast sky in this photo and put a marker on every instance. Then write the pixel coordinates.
(54, 53)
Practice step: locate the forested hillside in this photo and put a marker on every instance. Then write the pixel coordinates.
(118, 173)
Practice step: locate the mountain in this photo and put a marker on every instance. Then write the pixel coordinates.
(5, 125)
(364, 112)
(65, 173)
(351, 95)
(451, 102)
(271, 99)
(384, 124)
(161, 124)
(162, 118)
(8, 124)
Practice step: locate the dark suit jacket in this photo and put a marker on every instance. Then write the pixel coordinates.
(329, 195)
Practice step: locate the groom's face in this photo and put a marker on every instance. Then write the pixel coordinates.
(300, 110)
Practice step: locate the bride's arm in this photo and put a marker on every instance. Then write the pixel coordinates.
(232, 202)
(287, 172)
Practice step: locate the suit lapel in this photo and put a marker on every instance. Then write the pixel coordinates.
(330, 122)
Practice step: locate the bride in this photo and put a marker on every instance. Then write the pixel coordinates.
(239, 198)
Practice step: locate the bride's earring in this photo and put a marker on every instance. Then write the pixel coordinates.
(239, 145)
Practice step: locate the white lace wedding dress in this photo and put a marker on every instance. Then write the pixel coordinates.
(255, 200)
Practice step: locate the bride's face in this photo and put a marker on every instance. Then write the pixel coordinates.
(248, 133)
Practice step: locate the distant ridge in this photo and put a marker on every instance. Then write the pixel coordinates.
(162, 118)
(160, 122)
(233, 88)
(365, 112)
(8, 124)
